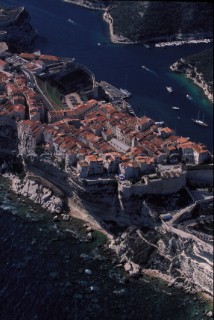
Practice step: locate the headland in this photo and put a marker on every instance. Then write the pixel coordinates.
(15, 28)
(77, 144)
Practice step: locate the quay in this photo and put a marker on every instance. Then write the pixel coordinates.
(112, 92)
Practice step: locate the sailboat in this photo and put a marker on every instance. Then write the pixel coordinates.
(200, 122)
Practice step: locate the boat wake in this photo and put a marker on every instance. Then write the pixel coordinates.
(71, 21)
(151, 71)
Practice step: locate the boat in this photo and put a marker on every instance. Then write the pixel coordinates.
(130, 110)
(146, 46)
(71, 21)
(189, 97)
(99, 44)
(125, 92)
(200, 122)
(175, 108)
(169, 89)
(159, 123)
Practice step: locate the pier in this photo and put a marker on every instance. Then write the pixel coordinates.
(112, 92)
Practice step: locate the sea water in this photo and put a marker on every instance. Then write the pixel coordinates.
(50, 271)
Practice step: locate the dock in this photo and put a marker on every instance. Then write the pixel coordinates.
(112, 92)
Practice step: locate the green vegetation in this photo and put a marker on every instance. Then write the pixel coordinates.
(145, 21)
(52, 93)
(203, 61)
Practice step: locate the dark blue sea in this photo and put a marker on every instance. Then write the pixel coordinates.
(42, 265)
(48, 271)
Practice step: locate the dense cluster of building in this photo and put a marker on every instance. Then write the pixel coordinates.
(95, 137)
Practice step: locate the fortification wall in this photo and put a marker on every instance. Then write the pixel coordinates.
(160, 187)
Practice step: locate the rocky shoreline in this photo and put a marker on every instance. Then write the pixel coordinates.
(113, 37)
(136, 254)
(85, 4)
(191, 72)
(37, 190)
(164, 256)
(120, 39)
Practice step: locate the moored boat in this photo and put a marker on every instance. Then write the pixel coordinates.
(125, 92)
(169, 89)
(175, 108)
(189, 97)
(159, 123)
(200, 122)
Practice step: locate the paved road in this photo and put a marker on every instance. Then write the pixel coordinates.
(34, 83)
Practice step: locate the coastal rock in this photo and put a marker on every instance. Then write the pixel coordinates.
(90, 236)
(35, 191)
(16, 29)
(198, 69)
(209, 314)
(56, 219)
(127, 266)
(132, 268)
(181, 261)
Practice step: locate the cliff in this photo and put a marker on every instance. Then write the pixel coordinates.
(15, 28)
(157, 249)
(184, 262)
(199, 68)
(39, 191)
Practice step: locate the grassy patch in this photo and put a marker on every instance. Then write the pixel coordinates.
(52, 94)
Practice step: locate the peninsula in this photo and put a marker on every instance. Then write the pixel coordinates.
(199, 68)
(15, 28)
(77, 143)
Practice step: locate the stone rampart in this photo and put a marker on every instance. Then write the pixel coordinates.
(200, 176)
(157, 186)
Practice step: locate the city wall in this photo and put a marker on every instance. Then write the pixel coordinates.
(203, 176)
(158, 186)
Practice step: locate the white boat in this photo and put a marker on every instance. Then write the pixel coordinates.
(159, 123)
(200, 122)
(99, 44)
(169, 89)
(175, 108)
(71, 21)
(146, 46)
(189, 97)
(125, 92)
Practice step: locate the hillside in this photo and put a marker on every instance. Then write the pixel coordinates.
(155, 21)
(161, 20)
(15, 28)
(199, 68)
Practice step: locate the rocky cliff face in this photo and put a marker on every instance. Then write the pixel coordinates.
(186, 262)
(19, 34)
(39, 194)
